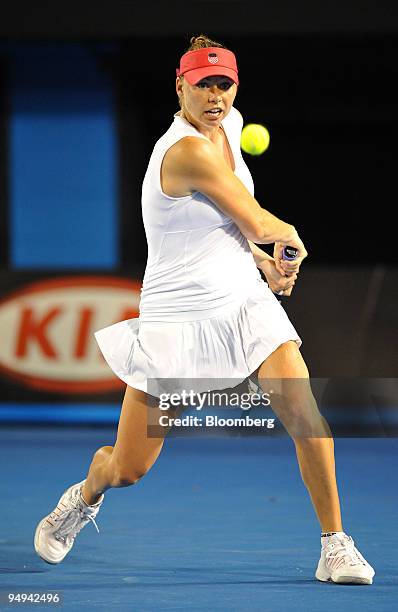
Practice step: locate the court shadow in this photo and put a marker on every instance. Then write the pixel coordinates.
(182, 576)
(21, 562)
(230, 582)
(20, 570)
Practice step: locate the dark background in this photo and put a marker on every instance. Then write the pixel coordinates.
(128, 18)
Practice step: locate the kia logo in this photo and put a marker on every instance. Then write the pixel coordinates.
(47, 331)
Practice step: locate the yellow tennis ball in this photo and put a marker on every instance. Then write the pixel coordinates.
(254, 139)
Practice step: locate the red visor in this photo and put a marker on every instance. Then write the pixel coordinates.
(210, 61)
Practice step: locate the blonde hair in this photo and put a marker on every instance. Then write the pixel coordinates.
(202, 42)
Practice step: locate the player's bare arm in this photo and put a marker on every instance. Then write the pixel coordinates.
(194, 164)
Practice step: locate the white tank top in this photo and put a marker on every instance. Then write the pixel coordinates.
(199, 262)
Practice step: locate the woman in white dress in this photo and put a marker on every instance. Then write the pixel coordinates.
(206, 313)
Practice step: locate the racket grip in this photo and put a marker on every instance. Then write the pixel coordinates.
(289, 253)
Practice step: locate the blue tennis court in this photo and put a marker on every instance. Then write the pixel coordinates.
(217, 524)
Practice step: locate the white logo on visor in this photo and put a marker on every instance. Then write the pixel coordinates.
(212, 57)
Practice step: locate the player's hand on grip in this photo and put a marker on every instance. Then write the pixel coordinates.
(283, 285)
(289, 267)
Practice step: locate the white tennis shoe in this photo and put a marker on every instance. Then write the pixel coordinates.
(341, 562)
(55, 534)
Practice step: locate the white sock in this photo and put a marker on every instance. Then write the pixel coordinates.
(326, 535)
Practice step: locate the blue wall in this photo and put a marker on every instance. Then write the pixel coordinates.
(62, 156)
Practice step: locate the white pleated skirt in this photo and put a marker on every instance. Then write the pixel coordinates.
(212, 353)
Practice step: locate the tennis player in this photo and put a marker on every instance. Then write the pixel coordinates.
(205, 311)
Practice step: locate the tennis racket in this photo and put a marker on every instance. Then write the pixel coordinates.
(289, 254)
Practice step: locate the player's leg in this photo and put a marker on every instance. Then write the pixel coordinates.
(132, 456)
(295, 406)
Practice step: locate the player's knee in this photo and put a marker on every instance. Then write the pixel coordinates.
(297, 422)
(104, 452)
(311, 428)
(125, 476)
(302, 419)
